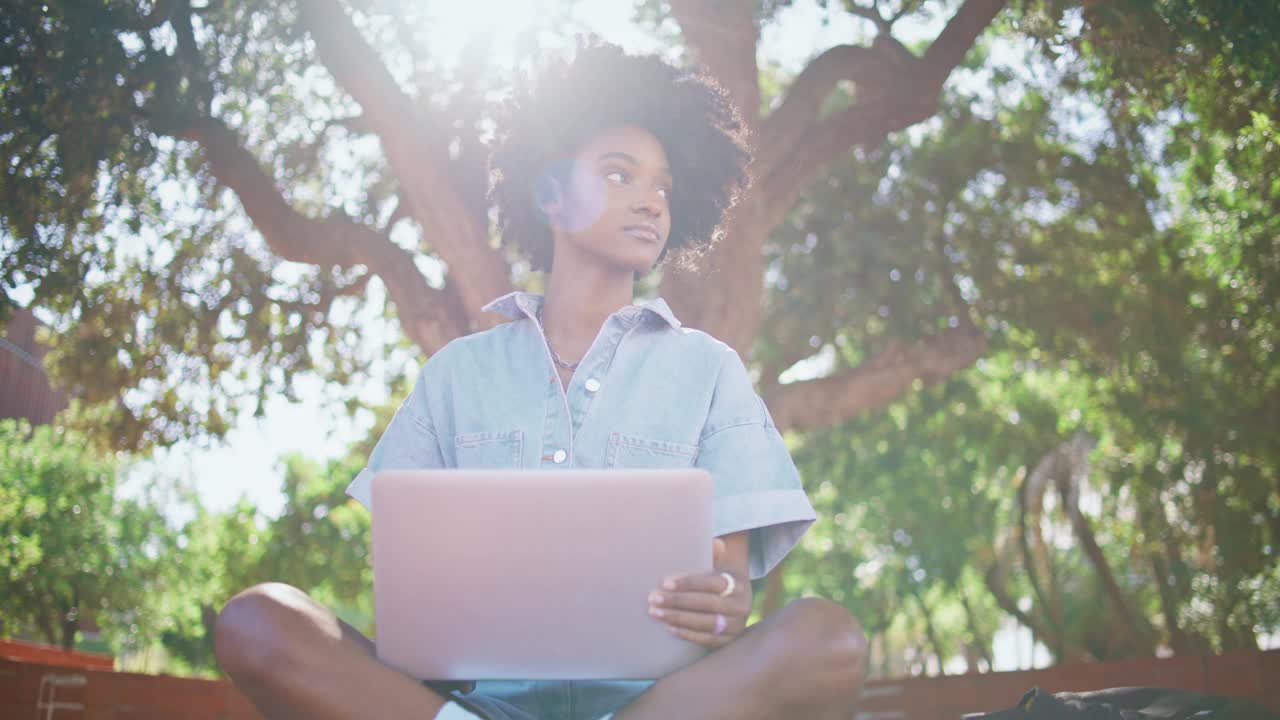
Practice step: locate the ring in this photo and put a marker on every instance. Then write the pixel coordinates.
(720, 623)
(729, 579)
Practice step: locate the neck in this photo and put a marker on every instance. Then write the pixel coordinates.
(578, 301)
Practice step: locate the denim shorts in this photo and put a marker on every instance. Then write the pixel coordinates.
(543, 699)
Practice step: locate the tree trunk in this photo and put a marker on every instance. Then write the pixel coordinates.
(70, 624)
(930, 631)
(47, 629)
(722, 296)
(1032, 562)
(994, 580)
(1180, 641)
(1073, 471)
(980, 641)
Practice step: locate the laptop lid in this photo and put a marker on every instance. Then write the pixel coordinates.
(535, 574)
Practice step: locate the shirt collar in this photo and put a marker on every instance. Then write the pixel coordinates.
(516, 305)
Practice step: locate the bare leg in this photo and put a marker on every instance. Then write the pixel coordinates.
(807, 660)
(294, 658)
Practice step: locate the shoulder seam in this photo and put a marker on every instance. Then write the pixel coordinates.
(730, 426)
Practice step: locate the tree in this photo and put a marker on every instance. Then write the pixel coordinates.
(1129, 304)
(202, 99)
(948, 225)
(320, 542)
(72, 548)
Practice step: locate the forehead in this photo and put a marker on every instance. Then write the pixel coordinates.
(636, 142)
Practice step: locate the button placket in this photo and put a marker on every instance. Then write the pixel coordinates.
(593, 367)
(576, 398)
(555, 425)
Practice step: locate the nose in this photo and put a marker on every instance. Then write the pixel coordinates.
(649, 203)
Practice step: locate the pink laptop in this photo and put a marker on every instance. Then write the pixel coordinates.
(535, 574)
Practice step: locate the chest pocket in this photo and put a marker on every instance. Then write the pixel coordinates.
(489, 449)
(631, 451)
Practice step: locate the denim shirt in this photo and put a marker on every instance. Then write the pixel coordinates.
(649, 393)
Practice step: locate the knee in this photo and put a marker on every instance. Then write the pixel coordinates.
(833, 647)
(250, 636)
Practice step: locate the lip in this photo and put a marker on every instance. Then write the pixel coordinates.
(643, 231)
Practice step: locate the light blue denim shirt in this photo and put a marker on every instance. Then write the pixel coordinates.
(649, 393)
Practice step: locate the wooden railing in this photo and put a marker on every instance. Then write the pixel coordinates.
(50, 655)
(61, 692)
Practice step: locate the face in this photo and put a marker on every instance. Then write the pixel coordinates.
(615, 210)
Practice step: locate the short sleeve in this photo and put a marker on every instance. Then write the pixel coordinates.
(757, 486)
(408, 443)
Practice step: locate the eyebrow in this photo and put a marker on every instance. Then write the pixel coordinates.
(628, 158)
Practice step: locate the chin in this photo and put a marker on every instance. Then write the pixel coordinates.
(642, 266)
(634, 263)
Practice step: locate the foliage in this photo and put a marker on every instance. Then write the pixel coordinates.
(126, 237)
(1094, 192)
(319, 542)
(1130, 299)
(73, 548)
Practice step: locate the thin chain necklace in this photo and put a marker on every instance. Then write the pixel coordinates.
(554, 355)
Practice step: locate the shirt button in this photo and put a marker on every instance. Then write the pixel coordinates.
(592, 385)
(560, 456)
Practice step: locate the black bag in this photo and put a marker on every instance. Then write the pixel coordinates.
(1138, 703)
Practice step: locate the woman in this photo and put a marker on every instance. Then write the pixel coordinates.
(608, 164)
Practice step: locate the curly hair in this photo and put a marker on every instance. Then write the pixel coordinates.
(601, 88)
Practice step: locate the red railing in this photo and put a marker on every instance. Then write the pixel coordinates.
(29, 689)
(50, 655)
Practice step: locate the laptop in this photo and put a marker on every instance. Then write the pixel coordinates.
(534, 574)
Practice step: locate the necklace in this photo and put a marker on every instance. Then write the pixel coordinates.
(554, 355)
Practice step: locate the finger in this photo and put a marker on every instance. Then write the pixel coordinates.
(692, 601)
(699, 582)
(701, 638)
(717, 551)
(700, 622)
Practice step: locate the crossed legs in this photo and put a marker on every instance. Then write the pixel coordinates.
(807, 660)
(294, 658)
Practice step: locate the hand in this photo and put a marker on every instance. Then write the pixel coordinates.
(689, 604)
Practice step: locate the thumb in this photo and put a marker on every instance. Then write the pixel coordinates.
(717, 551)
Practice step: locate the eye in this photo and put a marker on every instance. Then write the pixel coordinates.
(665, 192)
(617, 176)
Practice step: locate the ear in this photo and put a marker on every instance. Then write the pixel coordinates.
(548, 195)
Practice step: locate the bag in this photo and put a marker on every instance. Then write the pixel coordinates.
(1138, 703)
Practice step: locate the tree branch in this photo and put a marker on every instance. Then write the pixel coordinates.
(1035, 557)
(883, 24)
(189, 55)
(1072, 472)
(994, 579)
(419, 161)
(930, 631)
(785, 126)
(722, 37)
(948, 50)
(156, 16)
(325, 242)
(894, 89)
(877, 382)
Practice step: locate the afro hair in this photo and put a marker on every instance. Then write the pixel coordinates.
(600, 88)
